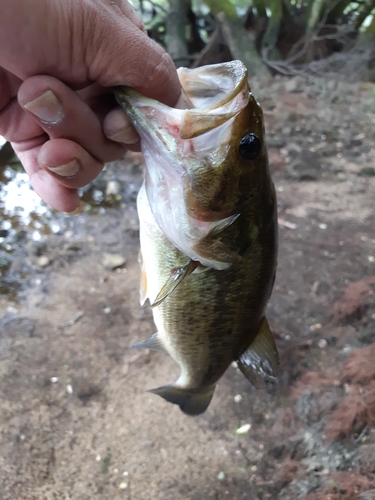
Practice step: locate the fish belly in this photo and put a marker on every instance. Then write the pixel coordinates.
(212, 316)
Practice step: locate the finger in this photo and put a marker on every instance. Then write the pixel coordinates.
(144, 65)
(46, 186)
(15, 124)
(70, 164)
(127, 10)
(62, 113)
(116, 127)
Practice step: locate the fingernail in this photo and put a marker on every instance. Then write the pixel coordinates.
(118, 129)
(46, 107)
(74, 212)
(68, 170)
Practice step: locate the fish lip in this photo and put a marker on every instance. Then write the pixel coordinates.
(207, 114)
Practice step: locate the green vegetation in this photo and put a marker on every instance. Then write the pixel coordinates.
(285, 36)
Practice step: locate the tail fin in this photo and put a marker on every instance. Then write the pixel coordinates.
(191, 402)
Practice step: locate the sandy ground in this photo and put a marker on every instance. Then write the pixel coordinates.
(76, 421)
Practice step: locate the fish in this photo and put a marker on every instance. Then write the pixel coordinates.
(208, 231)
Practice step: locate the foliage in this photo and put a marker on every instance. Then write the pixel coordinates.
(287, 35)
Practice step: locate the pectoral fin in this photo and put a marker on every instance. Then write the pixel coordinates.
(190, 402)
(177, 276)
(153, 342)
(260, 362)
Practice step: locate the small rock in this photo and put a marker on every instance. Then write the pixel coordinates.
(122, 486)
(21, 235)
(243, 429)
(113, 188)
(238, 398)
(72, 248)
(294, 85)
(276, 142)
(4, 233)
(293, 117)
(307, 175)
(317, 326)
(221, 476)
(71, 321)
(38, 247)
(292, 147)
(113, 261)
(357, 140)
(43, 261)
(322, 343)
(367, 172)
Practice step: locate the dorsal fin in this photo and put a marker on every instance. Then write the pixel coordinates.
(260, 362)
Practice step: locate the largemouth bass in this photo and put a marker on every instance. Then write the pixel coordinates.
(208, 231)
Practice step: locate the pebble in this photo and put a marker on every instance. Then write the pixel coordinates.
(316, 326)
(221, 476)
(69, 389)
(367, 172)
(113, 188)
(357, 140)
(43, 261)
(238, 398)
(113, 261)
(122, 486)
(243, 429)
(322, 343)
(38, 247)
(54, 380)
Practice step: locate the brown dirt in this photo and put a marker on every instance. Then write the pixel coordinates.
(76, 421)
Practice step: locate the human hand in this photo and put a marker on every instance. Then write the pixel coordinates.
(58, 62)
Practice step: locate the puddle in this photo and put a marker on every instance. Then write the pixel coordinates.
(24, 217)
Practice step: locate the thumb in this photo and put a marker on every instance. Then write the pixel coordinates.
(123, 54)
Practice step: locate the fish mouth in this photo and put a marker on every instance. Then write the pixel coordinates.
(216, 93)
(178, 143)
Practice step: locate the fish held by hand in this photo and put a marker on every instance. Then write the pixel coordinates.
(208, 231)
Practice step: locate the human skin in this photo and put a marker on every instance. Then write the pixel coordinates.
(58, 62)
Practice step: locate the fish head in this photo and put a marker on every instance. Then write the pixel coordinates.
(204, 164)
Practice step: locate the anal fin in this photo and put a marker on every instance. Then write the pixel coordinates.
(153, 342)
(191, 402)
(177, 276)
(260, 362)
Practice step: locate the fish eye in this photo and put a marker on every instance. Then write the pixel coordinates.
(250, 146)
